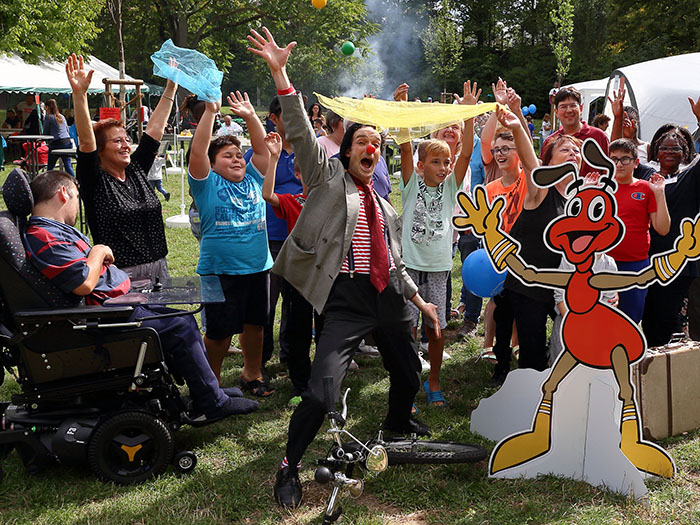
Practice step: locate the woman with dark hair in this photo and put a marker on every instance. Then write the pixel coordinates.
(191, 111)
(55, 124)
(672, 149)
(531, 305)
(315, 111)
(122, 209)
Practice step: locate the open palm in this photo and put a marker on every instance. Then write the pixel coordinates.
(78, 78)
(266, 47)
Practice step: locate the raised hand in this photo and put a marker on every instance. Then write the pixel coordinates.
(471, 95)
(78, 78)
(695, 107)
(513, 100)
(618, 100)
(266, 47)
(273, 141)
(591, 178)
(479, 216)
(213, 107)
(401, 93)
(499, 91)
(507, 118)
(240, 105)
(657, 183)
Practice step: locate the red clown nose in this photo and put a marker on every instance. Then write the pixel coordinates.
(370, 149)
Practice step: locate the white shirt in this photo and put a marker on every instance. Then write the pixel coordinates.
(233, 129)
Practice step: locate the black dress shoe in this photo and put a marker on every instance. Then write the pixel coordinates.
(413, 426)
(288, 488)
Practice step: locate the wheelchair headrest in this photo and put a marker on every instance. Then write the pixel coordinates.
(17, 193)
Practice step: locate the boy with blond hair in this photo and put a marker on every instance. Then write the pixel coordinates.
(429, 194)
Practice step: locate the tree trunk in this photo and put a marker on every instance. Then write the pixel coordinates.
(181, 27)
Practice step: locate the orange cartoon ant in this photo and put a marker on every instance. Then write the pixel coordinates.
(593, 333)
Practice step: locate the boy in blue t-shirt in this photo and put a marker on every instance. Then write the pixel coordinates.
(429, 199)
(228, 194)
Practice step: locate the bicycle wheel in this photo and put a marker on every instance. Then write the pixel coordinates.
(419, 452)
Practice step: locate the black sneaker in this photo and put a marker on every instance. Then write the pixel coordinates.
(167, 196)
(413, 426)
(288, 488)
(468, 328)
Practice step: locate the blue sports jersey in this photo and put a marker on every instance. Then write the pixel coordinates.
(233, 225)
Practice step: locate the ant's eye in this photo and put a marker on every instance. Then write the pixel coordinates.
(574, 207)
(596, 208)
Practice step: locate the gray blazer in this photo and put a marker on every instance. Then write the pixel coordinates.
(313, 254)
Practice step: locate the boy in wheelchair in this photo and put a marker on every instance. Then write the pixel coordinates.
(64, 255)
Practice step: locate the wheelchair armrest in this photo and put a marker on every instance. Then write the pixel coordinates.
(79, 312)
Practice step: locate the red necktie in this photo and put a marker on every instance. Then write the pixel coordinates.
(378, 259)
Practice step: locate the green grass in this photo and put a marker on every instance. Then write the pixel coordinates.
(239, 456)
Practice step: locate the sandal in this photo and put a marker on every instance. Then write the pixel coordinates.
(434, 396)
(256, 387)
(488, 354)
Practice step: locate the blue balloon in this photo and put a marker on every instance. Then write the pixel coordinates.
(532, 109)
(479, 275)
(525, 110)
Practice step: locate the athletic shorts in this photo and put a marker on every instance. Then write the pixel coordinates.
(432, 287)
(247, 301)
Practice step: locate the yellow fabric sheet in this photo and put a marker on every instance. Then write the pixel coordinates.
(419, 119)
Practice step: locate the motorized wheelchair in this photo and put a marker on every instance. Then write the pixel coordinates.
(94, 385)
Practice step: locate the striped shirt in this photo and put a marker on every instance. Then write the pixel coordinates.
(361, 241)
(60, 253)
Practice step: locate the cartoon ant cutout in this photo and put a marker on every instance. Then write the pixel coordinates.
(593, 333)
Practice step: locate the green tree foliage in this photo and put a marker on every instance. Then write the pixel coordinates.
(562, 17)
(442, 42)
(47, 28)
(219, 28)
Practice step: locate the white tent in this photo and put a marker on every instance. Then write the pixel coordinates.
(659, 89)
(590, 92)
(49, 76)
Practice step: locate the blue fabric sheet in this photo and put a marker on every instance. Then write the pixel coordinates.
(193, 71)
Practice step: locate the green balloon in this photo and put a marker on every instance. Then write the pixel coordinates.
(348, 48)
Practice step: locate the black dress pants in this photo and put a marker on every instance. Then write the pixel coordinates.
(297, 336)
(662, 310)
(353, 310)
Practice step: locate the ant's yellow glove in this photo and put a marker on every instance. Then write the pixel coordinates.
(687, 248)
(486, 223)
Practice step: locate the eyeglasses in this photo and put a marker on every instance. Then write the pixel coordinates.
(503, 150)
(566, 107)
(622, 160)
(121, 140)
(670, 149)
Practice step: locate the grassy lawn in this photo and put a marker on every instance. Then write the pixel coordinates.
(238, 458)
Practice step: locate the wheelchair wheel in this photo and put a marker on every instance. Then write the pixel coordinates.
(185, 461)
(130, 447)
(418, 452)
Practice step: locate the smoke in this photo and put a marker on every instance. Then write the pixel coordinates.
(396, 52)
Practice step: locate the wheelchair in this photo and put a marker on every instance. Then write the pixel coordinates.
(94, 385)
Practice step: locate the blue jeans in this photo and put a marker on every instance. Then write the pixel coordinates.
(632, 300)
(184, 353)
(67, 164)
(468, 243)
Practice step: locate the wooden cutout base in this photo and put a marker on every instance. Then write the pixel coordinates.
(585, 440)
